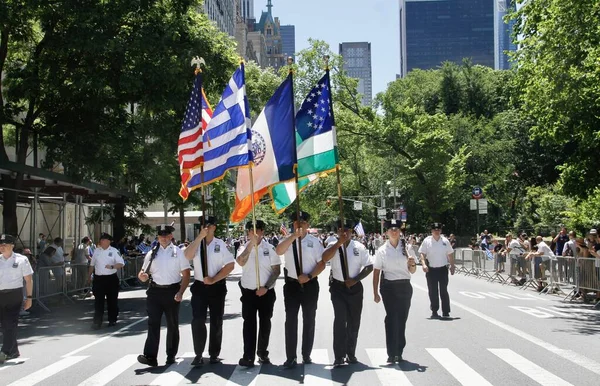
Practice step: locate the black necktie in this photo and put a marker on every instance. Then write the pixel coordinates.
(296, 259)
(344, 262)
(203, 260)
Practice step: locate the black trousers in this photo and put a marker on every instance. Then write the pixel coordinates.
(162, 301)
(251, 305)
(347, 310)
(10, 306)
(204, 298)
(296, 296)
(396, 296)
(437, 284)
(106, 287)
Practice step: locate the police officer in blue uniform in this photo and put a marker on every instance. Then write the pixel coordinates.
(106, 260)
(212, 264)
(393, 268)
(350, 263)
(13, 269)
(169, 271)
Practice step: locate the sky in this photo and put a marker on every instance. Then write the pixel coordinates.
(338, 21)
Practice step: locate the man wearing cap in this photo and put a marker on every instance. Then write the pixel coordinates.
(169, 272)
(350, 263)
(394, 266)
(257, 297)
(13, 269)
(212, 264)
(300, 290)
(436, 253)
(106, 260)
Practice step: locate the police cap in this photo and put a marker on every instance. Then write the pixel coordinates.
(7, 239)
(348, 224)
(304, 216)
(208, 220)
(106, 236)
(393, 223)
(436, 225)
(164, 230)
(260, 225)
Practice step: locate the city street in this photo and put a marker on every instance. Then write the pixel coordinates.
(497, 335)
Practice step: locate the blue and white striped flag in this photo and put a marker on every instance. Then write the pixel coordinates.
(227, 139)
(359, 229)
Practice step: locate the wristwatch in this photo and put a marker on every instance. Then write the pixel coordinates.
(29, 297)
(309, 276)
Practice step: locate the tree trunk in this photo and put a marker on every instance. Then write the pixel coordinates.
(119, 220)
(182, 222)
(9, 206)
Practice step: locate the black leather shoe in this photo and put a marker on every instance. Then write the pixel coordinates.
(307, 360)
(96, 326)
(152, 362)
(13, 356)
(198, 361)
(338, 363)
(264, 360)
(170, 360)
(445, 315)
(290, 363)
(352, 359)
(435, 315)
(398, 359)
(245, 362)
(112, 324)
(214, 360)
(390, 360)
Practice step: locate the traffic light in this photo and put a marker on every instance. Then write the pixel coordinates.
(328, 202)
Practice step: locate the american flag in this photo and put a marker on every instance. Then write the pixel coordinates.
(283, 229)
(189, 147)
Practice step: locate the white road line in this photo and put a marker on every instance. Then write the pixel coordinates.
(533, 371)
(569, 355)
(110, 372)
(563, 314)
(48, 371)
(13, 362)
(244, 376)
(176, 372)
(319, 372)
(457, 368)
(389, 375)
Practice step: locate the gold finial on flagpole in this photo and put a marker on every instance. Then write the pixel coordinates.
(326, 59)
(290, 62)
(198, 61)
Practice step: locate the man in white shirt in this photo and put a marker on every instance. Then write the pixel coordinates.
(331, 239)
(257, 298)
(104, 265)
(212, 264)
(436, 254)
(58, 261)
(303, 262)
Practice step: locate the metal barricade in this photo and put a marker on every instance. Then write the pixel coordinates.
(77, 278)
(467, 257)
(459, 261)
(588, 275)
(566, 273)
(485, 264)
(499, 264)
(51, 281)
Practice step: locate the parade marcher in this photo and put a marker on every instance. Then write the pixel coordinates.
(436, 254)
(257, 299)
(169, 273)
(391, 276)
(13, 269)
(350, 263)
(300, 290)
(212, 264)
(105, 262)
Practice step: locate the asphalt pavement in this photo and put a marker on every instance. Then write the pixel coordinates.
(497, 335)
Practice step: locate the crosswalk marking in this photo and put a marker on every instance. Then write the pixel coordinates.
(389, 375)
(110, 372)
(319, 372)
(176, 372)
(457, 368)
(13, 362)
(244, 376)
(48, 371)
(533, 371)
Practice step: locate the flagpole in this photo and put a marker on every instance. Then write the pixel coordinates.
(337, 165)
(290, 61)
(254, 225)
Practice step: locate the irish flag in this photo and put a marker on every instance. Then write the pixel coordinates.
(273, 150)
(316, 143)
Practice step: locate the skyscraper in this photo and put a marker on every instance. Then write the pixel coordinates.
(288, 38)
(222, 12)
(357, 64)
(435, 31)
(502, 34)
(247, 8)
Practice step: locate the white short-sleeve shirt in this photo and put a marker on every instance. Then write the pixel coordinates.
(167, 266)
(312, 253)
(217, 256)
(13, 270)
(267, 258)
(515, 247)
(392, 261)
(436, 251)
(356, 255)
(545, 250)
(103, 257)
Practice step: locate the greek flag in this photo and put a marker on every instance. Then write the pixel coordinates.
(359, 229)
(227, 139)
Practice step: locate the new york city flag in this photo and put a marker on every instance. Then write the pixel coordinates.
(316, 143)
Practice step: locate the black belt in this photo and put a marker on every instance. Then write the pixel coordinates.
(174, 285)
(396, 281)
(292, 280)
(4, 291)
(112, 274)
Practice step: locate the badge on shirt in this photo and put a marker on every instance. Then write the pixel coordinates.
(444, 244)
(16, 265)
(309, 244)
(109, 254)
(217, 248)
(265, 252)
(356, 252)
